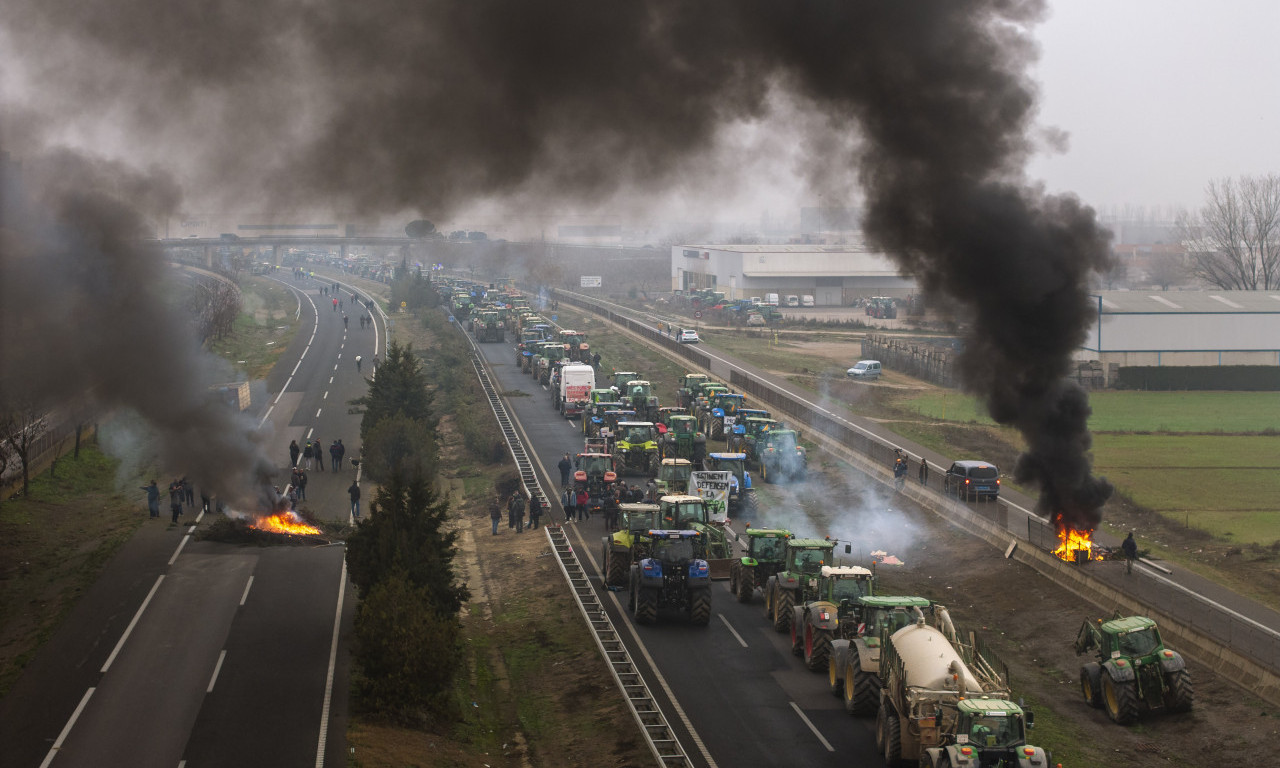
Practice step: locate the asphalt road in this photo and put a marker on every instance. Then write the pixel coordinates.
(748, 701)
(204, 654)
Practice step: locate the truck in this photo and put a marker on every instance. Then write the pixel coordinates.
(675, 576)
(629, 544)
(816, 624)
(942, 703)
(797, 582)
(576, 382)
(853, 673)
(1132, 668)
(765, 555)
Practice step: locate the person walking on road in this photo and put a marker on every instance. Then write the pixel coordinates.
(344, 320)
(584, 505)
(307, 453)
(1130, 549)
(566, 469)
(153, 498)
(924, 471)
(334, 455)
(568, 500)
(535, 510)
(317, 449)
(175, 499)
(899, 470)
(294, 453)
(495, 513)
(342, 452)
(189, 491)
(354, 493)
(335, 303)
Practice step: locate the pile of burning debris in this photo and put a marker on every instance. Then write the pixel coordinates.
(281, 525)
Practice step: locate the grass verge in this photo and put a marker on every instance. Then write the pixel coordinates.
(263, 329)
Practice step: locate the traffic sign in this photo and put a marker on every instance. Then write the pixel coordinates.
(697, 315)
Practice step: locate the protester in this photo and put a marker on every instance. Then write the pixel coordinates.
(924, 471)
(307, 453)
(335, 454)
(153, 498)
(495, 513)
(1130, 549)
(294, 453)
(176, 496)
(535, 510)
(566, 470)
(342, 452)
(516, 508)
(354, 493)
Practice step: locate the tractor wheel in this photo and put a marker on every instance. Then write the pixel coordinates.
(861, 689)
(817, 648)
(632, 586)
(750, 505)
(654, 463)
(733, 578)
(646, 605)
(1091, 684)
(1181, 693)
(889, 735)
(615, 570)
(835, 679)
(700, 607)
(764, 472)
(768, 599)
(717, 430)
(1120, 698)
(783, 601)
(746, 584)
(797, 639)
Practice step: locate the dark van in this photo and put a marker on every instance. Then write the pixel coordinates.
(972, 480)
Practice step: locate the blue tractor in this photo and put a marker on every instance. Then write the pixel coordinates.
(674, 577)
(742, 497)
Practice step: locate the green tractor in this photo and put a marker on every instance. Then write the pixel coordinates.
(720, 407)
(1133, 667)
(702, 403)
(752, 428)
(687, 511)
(675, 576)
(488, 327)
(853, 673)
(639, 394)
(782, 458)
(673, 477)
(618, 383)
(550, 354)
(576, 343)
(815, 625)
(742, 497)
(683, 440)
(629, 544)
(593, 417)
(689, 386)
(635, 448)
(797, 582)
(766, 550)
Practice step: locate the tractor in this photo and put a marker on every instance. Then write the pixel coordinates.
(797, 582)
(683, 440)
(593, 473)
(639, 393)
(618, 383)
(665, 414)
(675, 576)
(593, 416)
(752, 428)
(690, 512)
(853, 673)
(702, 403)
(488, 327)
(689, 385)
(673, 476)
(742, 497)
(609, 425)
(629, 544)
(576, 343)
(765, 551)
(721, 408)
(1132, 667)
(635, 448)
(781, 458)
(549, 355)
(817, 623)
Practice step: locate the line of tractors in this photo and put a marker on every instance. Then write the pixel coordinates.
(939, 696)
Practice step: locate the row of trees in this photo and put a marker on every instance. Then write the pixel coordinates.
(1234, 239)
(401, 556)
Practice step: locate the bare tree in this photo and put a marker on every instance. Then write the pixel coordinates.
(1234, 240)
(1166, 271)
(21, 424)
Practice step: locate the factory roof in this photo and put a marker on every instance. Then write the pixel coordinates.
(785, 248)
(1187, 302)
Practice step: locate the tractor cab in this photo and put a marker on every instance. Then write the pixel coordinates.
(991, 726)
(730, 462)
(882, 615)
(666, 413)
(683, 511)
(673, 476)
(593, 419)
(618, 382)
(808, 556)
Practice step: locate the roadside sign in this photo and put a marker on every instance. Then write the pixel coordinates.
(697, 315)
(589, 281)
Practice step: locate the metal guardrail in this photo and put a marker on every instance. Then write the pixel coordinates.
(653, 724)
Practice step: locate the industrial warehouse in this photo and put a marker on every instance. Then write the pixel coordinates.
(835, 275)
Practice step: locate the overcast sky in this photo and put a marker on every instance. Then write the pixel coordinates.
(1159, 97)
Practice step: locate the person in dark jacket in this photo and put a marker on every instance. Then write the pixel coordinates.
(335, 455)
(189, 491)
(354, 493)
(516, 507)
(495, 513)
(535, 510)
(566, 470)
(294, 453)
(153, 498)
(342, 452)
(1130, 549)
(317, 449)
(176, 495)
(307, 453)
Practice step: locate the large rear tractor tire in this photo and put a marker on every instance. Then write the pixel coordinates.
(646, 605)
(655, 461)
(615, 569)
(717, 429)
(746, 584)
(783, 600)
(1091, 684)
(817, 648)
(797, 640)
(1120, 699)
(861, 689)
(700, 607)
(835, 678)
(889, 735)
(1182, 693)
(750, 504)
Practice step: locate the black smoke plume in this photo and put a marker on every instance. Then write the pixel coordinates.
(426, 106)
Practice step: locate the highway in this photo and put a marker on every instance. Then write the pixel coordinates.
(196, 653)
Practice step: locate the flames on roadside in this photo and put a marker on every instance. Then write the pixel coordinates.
(1074, 546)
(283, 522)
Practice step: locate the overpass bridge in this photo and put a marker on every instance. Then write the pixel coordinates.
(276, 242)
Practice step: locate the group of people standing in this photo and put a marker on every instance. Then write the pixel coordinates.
(181, 491)
(313, 455)
(515, 505)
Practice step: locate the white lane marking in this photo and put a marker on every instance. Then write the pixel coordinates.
(809, 723)
(247, 586)
(199, 517)
(330, 379)
(318, 410)
(267, 415)
(295, 367)
(185, 538)
(66, 729)
(333, 659)
(335, 366)
(326, 395)
(216, 669)
(741, 642)
(309, 431)
(129, 629)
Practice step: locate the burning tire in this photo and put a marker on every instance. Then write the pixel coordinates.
(1120, 698)
(1091, 684)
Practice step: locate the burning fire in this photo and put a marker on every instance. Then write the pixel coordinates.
(283, 522)
(1075, 546)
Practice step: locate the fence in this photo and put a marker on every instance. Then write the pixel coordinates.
(913, 357)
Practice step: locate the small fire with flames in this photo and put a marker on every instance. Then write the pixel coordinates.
(1076, 546)
(283, 522)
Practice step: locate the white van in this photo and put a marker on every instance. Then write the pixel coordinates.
(756, 301)
(771, 299)
(793, 301)
(806, 301)
(864, 369)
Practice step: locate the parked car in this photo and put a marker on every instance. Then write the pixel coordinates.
(864, 369)
(755, 318)
(806, 301)
(972, 480)
(688, 336)
(793, 301)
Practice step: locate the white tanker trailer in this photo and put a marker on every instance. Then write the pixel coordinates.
(943, 704)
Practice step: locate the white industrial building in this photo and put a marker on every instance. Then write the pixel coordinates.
(1152, 328)
(834, 275)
